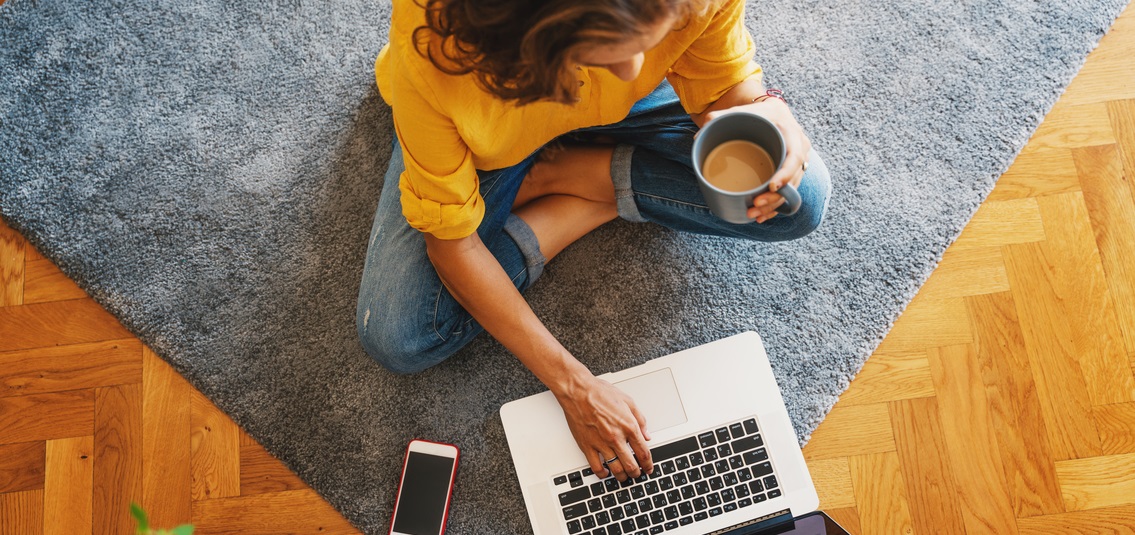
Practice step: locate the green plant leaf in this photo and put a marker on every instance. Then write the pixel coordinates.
(140, 516)
(184, 529)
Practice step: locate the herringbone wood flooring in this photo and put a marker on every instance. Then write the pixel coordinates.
(1002, 402)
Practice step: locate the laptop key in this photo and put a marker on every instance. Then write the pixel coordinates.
(657, 517)
(724, 450)
(722, 466)
(588, 522)
(599, 531)
(631, 509)
(700, 504)
(573, 512)
(707, 439)
(774, 493)
(698, 517)
(702, 487)
(560, 480)
(729, 507)
(673, 524)
(616, 514)
(574, 527)
(762, 470)
(638, 492)
(665, 483)
(736, 462)
(710, 454)
(628, 525)
(708, 471)
(770, 482)
(713, 500)
(575, 479)
(673, 449)
(730, 479)
(686, 508)
(674, 496)
(602, 518)
(741, 490)
(744, 475)
(597, 488)
(587, 472)
(642, 521)
(645, 505)
(736, 430)
(655, 530)
(671, 512)
(692, 474)
(609, 501)
(624, 496)
(756, 486)
(750, 426)
(594, 505)
(614, 529)
(682, 463)
(611, 484)
(747, 443)
(758, 498)
(745, 502)
(572, 496)
(696, 458)
(685, 521)
(715, 483)
(659, 501)
(688, 492)
(727, 495)
(715, 511)
(668, 467)
(722, 434)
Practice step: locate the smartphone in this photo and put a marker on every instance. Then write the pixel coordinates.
(814, 523)
(424, 493)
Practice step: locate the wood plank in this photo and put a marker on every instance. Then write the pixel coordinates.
(21, 513)
(888, 376)
(1116, 426)
(57, 323)
(214, 451)
(118, 457)
(1037, 172)
(1097, 482)
(69, 486)
(46, 416)
(12, 247)
(851, 430)
(44, 282)
(71, 367)
(166, 429)
(1106, 75)
(970, 440)
(931, 491)
(21, 466)
(1014, 407)
(847, 518)
(260, 472)
(832, 478)
(296, 511)
(929, 323)
(880, 494)
(1071, 126)
(1112, 521)
(999, 223)
(964, 272)
(1122, 115)
(1096, 336)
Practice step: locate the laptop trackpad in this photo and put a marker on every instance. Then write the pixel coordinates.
(656, 396)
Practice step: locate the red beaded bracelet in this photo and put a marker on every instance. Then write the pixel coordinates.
(771, 93)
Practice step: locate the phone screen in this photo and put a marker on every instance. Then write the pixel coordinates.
(425, 490)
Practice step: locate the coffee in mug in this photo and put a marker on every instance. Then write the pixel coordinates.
(730, 173)
(738, 165)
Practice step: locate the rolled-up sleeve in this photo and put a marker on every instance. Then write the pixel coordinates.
(439, 189)
(719, 59)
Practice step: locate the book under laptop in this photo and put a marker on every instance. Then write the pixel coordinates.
(725, 454)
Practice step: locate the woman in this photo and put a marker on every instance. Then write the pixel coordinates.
(479, 89)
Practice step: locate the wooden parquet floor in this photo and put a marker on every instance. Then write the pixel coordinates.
(1002, 402)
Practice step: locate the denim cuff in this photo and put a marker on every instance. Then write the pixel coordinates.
(529, 246)
(621, 176)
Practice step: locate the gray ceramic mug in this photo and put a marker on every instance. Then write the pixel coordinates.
(733, 206)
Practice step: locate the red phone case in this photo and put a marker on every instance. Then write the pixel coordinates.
(402, 479)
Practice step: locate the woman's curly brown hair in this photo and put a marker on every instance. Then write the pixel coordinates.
(522, 49)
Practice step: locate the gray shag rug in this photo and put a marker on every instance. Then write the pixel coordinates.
(208, 171)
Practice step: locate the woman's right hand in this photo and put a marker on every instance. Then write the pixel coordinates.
(606, 424)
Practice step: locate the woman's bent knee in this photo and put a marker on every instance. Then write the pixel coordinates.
(397, 346)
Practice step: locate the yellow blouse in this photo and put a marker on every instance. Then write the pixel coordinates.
(448, 127)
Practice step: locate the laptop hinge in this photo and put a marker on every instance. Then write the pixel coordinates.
(760, 524)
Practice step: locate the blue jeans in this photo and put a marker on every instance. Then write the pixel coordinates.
(408, 321)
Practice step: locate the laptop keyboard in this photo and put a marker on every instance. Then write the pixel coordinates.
(695, 478)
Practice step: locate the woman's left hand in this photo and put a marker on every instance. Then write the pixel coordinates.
(796, 144)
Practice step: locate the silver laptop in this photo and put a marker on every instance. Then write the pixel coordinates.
(725, 455)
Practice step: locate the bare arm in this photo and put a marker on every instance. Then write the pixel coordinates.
(601, 418)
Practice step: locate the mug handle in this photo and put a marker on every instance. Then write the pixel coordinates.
(792, 200)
